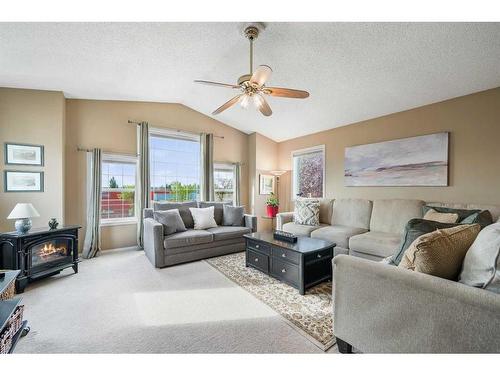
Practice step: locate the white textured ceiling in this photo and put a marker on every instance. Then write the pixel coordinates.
(354, 71)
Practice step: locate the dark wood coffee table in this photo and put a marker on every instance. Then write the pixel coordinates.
(302, 265)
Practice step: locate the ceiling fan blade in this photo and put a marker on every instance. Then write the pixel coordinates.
(261, 75)
(286, 93)
(216, 84)
(264, 106)
(227, 104)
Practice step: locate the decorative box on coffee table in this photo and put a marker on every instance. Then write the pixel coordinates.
(39, 253)
(302, 264)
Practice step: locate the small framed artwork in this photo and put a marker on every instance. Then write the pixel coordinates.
(23, 181)
(23, 154)
(266, 184)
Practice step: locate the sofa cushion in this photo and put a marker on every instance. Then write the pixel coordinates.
(337, 233)
(306, 211)
(300, 230)
(391, 215)
(171, 220)
(325, 210)
(232, 215)
(226, 233)
(183, 208)
(465, 215)
(481, 267)
(442, 252)
(414, 229)
(188, 238)
(354, 213)
(218, 209)
(441, 217)
(493, 209)
(379, 244)
(483, 218)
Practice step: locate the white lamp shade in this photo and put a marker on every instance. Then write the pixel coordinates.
(23, 211)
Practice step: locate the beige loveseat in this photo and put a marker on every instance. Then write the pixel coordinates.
(364, 228)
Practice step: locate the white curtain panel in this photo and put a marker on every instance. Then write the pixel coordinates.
(143, 183)
(237, 180)
(207, 192)
(92, 242)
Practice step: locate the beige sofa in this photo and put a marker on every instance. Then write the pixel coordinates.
(379, 308)
(364, 228)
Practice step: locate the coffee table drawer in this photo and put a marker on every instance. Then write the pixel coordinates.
(319, 255)
(288, 255)
(258, 260)
(259, 246)
(285, 271)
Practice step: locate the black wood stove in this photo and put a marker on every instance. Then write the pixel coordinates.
(39, 253)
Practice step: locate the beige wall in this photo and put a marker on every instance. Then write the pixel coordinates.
(34, 117)
(263, 157)
(474, 125)
(93, 123)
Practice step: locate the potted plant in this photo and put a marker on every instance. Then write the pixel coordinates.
(272, 204)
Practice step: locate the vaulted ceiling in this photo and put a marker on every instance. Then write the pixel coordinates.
(354, 71)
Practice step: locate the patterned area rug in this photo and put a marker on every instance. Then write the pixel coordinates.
(310, 315)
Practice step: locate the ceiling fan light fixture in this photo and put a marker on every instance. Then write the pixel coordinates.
(245, 101)
(258, 100)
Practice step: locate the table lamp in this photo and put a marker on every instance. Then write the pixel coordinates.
(23, 212)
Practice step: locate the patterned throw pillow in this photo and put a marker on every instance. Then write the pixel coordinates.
(306, 212)
(442, 252)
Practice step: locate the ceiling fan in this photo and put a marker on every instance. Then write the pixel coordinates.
(252, 86)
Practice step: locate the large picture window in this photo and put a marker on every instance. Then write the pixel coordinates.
(224, 179)
(309, 172)
(174, 166)
(118, 188)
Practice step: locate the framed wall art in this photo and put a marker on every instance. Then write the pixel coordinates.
(23, 181)
(23, 154)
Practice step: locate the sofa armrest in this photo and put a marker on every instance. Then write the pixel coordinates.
(147, 213)
(153, 242)
(283, 218)
(251, 222)
(383, 308)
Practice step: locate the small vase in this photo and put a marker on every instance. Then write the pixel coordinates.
(53, 223)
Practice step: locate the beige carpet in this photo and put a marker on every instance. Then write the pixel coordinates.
(311, 313)
(120, 303)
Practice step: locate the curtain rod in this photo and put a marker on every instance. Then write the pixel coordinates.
(176, 130)
(106, 151)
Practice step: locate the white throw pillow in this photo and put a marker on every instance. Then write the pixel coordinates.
(203, 217)
(481, 267)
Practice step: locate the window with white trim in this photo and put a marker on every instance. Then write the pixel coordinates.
(224, 179)
(174, 165)
(308, 172)
(118, 189)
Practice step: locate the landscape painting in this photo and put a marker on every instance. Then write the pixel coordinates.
(415, 161)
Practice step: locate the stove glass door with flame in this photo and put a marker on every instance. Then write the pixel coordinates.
(50, 251)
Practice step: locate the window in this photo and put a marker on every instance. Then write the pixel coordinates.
(174, 166)
(224, 182)
(118, 189)
(309, 172)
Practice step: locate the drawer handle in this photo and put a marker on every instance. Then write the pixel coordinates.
(257, 246)
(283, 255)
(319, 255)
(283, 270)
(256, 259)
